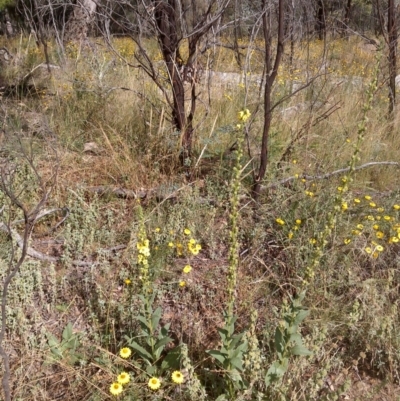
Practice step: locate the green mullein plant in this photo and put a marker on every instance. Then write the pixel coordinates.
(154, 337)
(288, 341)
(340, 204)
(231, 354)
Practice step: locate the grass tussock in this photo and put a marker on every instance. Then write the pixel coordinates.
(187, 290)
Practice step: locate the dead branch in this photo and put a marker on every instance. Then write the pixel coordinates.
(328, 175)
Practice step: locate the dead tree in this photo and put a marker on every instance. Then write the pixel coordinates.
(271, 65)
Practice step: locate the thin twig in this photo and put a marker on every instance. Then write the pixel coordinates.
(328, 175)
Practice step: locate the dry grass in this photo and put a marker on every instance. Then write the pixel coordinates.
(353, 326)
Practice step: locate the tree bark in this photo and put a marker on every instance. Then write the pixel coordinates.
(8, 26)
(320, 25)
(392, 35)
(271, 71)
(78, 26)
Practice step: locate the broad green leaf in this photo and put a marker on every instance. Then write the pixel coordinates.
(67, 333)
(236, 363)
(300, 350)
(235, 375)
(296, 338)
(53, 342)
(57, 352)
(172, 360)
(151, 370)
(164, 331)
(276, 371)
(72, 343)
(301, 316)
(280, 344)
(235, 339)
(222, 397)
(140, 350)
(144, 324)
(155, 318)
(223, 333)
(162, 342)
(219, 356)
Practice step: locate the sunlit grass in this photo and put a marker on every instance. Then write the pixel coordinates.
(175, 246)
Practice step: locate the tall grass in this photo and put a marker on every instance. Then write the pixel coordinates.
(206, 290)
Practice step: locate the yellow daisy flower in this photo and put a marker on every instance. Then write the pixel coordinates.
(123, 378)
(116, 388)
(187, 269)
(125, 352)
(186, 231)
(154, 383)
(177, 377)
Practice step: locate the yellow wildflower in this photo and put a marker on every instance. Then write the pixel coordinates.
(154, 383)
(177, 377)
(116, 389)
(187, 269)
(125, 352)
(123, 378)
(244, 115)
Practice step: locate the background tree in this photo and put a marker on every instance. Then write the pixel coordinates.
(175, 24)
(392, 43)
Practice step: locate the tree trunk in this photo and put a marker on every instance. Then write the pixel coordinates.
(78, 26)
(346, 18)
(271, 71)
(320, 24)
(166, 15)
(9, 28)
(392, 34)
